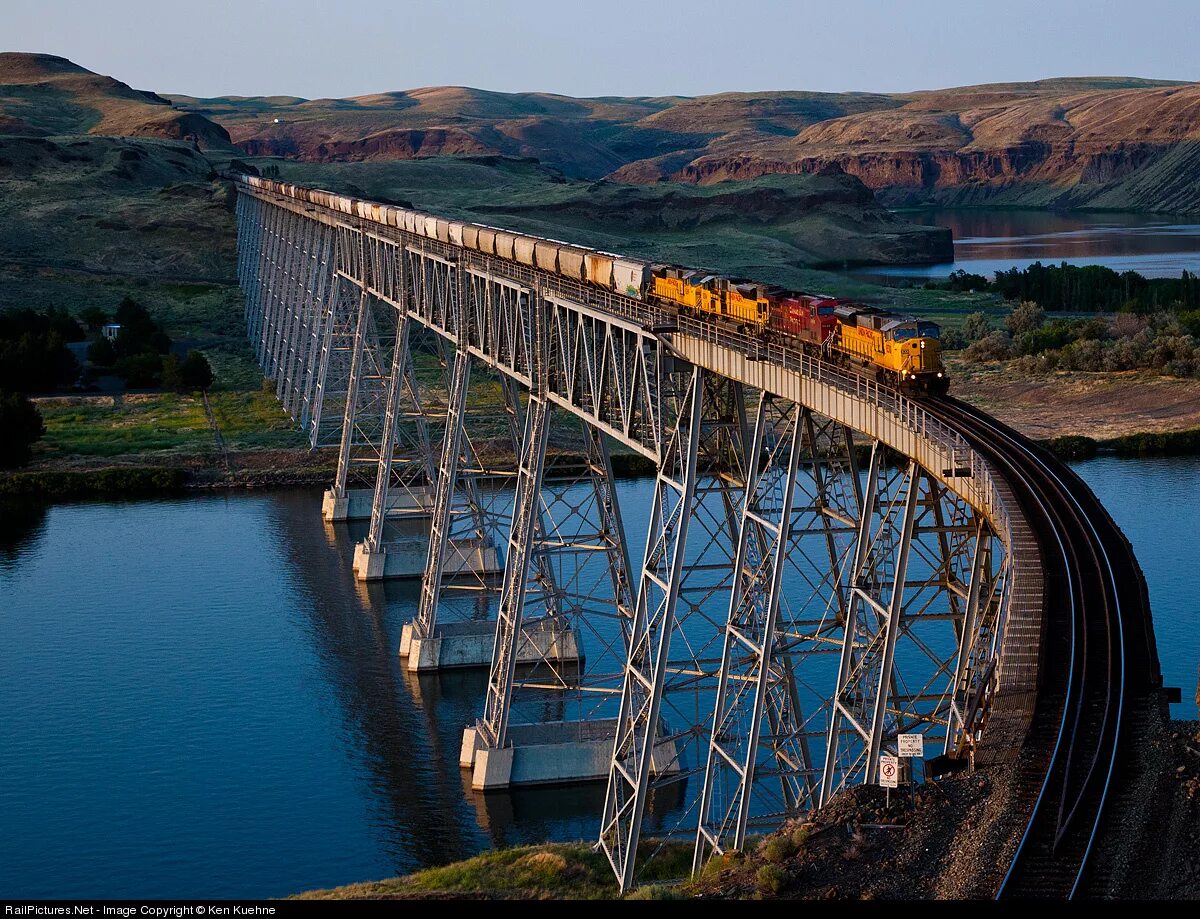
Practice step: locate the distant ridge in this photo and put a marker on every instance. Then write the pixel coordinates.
(1098, 141)
(42, 95)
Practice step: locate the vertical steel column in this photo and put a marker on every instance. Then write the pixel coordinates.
(387, 447)
(961, 700)
(748, 650)
(527, 507)
(431, 582)
(650, 638)
(892, 624)
(838, 704)
(356, 361)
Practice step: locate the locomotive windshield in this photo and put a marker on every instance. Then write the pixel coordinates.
(824, 310)
(929, 330)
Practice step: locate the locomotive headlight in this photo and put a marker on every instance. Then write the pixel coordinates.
(939, 374)
(922, 344)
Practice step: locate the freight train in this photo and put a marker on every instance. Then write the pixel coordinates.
(900, 351)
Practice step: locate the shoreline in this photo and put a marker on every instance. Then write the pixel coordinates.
(196, 473)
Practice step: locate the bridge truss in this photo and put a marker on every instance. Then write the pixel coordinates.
(823, 566)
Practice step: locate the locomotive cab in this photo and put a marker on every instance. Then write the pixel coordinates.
(917, 355)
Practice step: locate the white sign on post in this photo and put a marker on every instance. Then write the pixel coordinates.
(912, 745)
(889, 771)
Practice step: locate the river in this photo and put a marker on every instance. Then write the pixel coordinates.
(987, 240)
(199, 701)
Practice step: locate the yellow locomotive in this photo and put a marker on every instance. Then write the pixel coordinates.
(743, 303)
(904, 352)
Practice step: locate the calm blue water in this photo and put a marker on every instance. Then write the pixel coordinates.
(198, 700)
(986, 241)
(1156, 501)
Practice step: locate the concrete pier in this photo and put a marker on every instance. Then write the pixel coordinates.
(470, 644)
(356, 505)
(405, 558)
(550, 753)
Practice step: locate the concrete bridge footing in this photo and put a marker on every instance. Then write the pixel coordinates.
(550, 753)
(356, 504)
(469, 644)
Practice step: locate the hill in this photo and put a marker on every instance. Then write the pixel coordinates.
(43, 95)
(752, 228)
(1112, 142)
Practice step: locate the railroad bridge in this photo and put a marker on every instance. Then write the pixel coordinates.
(817, 564)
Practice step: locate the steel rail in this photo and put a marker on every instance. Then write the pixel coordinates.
(1052, 857)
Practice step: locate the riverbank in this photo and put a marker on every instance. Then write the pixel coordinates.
(104, 446)
(863, 845)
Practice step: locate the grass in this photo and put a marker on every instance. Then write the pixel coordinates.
(555, 871)
(162, 423)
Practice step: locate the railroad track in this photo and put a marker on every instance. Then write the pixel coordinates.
(1098, 620)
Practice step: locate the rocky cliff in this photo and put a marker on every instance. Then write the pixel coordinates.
(1089, 141)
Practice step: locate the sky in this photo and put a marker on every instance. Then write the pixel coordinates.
(604, 47)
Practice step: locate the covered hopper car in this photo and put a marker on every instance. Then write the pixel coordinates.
(901, 351)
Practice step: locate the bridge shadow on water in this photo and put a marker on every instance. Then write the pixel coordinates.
(407, 728)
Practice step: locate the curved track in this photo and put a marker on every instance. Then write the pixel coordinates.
(1098, 621)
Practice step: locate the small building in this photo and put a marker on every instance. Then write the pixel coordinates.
(111, 330)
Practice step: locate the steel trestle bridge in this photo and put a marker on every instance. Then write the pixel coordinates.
(820, 563)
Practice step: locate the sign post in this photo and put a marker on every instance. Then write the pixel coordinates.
(889, 775)
(911, 746)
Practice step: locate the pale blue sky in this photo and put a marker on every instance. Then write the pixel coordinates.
(604, 47)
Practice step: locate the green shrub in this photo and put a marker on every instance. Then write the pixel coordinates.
(102, 353)
(140, 371)
(655, 892)
(20, 427)
(770, 879)
(778, 849)
(96, 483)
(800, 837)
(195, 372)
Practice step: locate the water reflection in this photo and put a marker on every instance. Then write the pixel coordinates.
(22, 523)
(989, 240)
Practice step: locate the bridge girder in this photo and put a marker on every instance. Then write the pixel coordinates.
(793, 612)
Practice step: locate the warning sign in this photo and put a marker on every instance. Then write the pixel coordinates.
(912, 745)
(889, 771)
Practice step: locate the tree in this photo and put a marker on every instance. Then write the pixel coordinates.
(20, 427)
(172, 377)
(975, 326)
(140, 371)
(102, 353)
(93, 317)
(1025, 317)
(195, 372)
(139, 334)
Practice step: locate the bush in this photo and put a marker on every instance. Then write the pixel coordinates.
(195, 372)
(1043, 338)
(93, 317)
(20, 427)
(770, 879)
(33, 352)
(654, 892)
(102, 353)
(1086, 354)
(1025, 317)
(140, 371)
(778, 849)
(172, 377)
(975, 327)
(139, 333)
(995, 346)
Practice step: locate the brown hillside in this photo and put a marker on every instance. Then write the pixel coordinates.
(42, 95)
(1114, 141)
